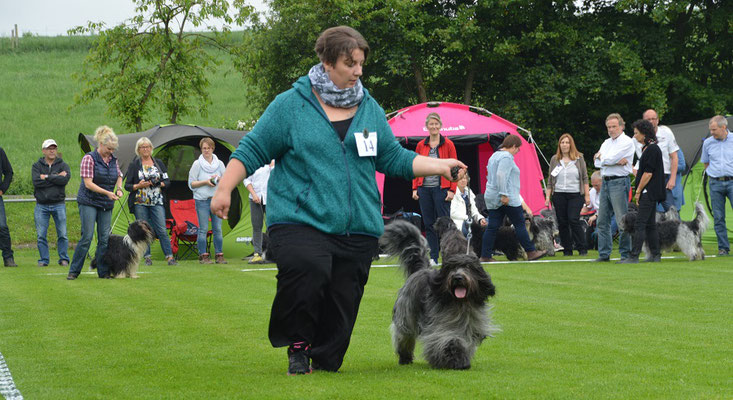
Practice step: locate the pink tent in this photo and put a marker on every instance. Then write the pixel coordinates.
(470, 129)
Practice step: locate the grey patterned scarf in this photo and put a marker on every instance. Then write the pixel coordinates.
(330, 93)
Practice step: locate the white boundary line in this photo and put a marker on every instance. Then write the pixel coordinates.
(7, 386)
(541, 261)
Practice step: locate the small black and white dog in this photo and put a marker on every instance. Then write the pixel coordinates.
(124, 253)
(444, 308)
(687, 235)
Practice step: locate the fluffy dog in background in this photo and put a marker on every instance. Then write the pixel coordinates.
(540, 232)
(687, 235)
(444, 308)
(123, 254)
(452, 240)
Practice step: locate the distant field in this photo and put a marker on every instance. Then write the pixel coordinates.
(37, 92)
(570, 330)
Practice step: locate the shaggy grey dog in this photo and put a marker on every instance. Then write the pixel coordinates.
(452, 240)
(446, 309)
(542, 232)
(687, 235)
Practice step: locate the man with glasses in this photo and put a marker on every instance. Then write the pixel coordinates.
(50, 175)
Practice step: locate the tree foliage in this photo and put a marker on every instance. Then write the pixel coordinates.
(550, 66)
(152, 62)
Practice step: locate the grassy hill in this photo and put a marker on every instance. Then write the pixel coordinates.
(38, 94)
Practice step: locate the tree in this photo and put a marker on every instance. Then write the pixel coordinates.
(153, 62)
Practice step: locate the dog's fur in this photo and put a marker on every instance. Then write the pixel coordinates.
(687, 235)
(452, 240)
(444, 308)
(540, 232)
(124, 253)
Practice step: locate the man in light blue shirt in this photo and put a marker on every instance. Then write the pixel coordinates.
(717, 155)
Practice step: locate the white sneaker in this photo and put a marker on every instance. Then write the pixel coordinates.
(433, 263)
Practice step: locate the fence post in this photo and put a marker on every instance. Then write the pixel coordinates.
(15, 37)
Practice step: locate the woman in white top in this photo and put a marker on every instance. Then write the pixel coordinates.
(202, 180)
(256, 184)
(567, 187)
(458, 209)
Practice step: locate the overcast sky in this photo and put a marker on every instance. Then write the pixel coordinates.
(55, 17)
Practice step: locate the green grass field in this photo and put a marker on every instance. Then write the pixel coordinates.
(569, 330)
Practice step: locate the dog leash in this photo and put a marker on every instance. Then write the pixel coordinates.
(469, 220)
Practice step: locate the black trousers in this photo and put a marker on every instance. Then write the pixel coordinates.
(646, 228)
(567, 208)
(320, 283)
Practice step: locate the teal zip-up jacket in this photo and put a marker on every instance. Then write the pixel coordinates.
(318, 180)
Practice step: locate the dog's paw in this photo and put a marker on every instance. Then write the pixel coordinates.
(405, 359)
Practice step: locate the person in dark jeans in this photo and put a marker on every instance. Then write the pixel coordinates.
(6, 173)
(434, 193)
(50, 176)
(649, 191)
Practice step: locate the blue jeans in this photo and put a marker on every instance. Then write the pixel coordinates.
(42, 215)
(4, 233)
(155, 216)
(203, 211)
(719, 190)
(614, 199)
(496, 218)
(89, 216)
(432, 205)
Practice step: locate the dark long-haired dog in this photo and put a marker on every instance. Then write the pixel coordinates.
(452, 240)
(444, 308)
(539, 229)
(687, 235)
(124, 253)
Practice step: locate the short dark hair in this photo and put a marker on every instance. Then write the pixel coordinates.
(337, 41)
(511, 141)
(645, 128)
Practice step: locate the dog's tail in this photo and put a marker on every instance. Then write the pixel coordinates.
(403, 239)
(701, 217)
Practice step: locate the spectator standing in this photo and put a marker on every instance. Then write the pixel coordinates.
(650, 190)
(6, 173)
(328, 137)
(615, 159)
(256, 184)
(50, 175)
(717, 155)
(668, 145)
(100, 187)
(567, 188)
(202, 180)
(503, 199)
(434, 193)
(146, 180)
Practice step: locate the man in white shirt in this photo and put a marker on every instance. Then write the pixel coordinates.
(668, 144)
(256, 184)
(615, 160)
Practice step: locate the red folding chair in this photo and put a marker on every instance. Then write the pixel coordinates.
(184, 228)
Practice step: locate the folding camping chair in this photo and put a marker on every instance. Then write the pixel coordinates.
(184, 228)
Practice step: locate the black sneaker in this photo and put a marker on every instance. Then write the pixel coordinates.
(71, 276)
(298, 361)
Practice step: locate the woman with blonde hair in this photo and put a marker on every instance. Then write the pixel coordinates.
(434, 193)
(146, 179)
(101, 186)
(567, 189)
(202, 180)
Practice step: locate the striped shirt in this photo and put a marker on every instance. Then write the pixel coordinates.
(87, 166)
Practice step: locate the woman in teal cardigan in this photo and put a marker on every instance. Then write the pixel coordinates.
(328, 137)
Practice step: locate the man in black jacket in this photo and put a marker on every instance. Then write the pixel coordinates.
(6, 173)
(50, 175)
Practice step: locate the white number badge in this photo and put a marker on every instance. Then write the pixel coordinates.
(366, 143)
